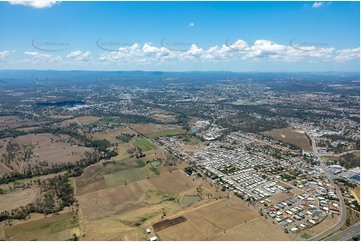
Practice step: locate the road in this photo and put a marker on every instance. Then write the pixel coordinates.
(346, 234)
(338, 192)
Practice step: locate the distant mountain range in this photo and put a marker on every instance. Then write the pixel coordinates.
(80, 77)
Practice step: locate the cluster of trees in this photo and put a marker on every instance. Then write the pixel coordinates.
(349, 161)
(56, 194)
(125, 138)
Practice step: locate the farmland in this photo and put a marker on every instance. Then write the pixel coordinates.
(157, 130)
(145, 145)
(16, 199)
(55, 227)
(34, 150)
(237, 221)
(295, 137)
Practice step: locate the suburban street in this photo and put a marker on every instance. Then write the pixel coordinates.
(338, 192)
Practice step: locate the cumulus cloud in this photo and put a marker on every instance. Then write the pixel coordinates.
(35, 4)
(79, 55)
(191, 24)
(148, 53)
(347, 55)
(240, 49)
(36, 56)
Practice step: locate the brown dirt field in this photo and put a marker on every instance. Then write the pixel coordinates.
(109, 201)
(91, 187)
(91, 180)
(60, 116)
(153, 130)
(279, 197)
(4, 169)
(110, 134)
(110, 228)
(79, 120)
(168, 223)
(164, 117)
(28, 129)
(257, 229)
(172, 183)
(209, 219)
(356, 194)
(60, 150)
(13, 122)
(145, 128)
(16, 199)
(291, 136)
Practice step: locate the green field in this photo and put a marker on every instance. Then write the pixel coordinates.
(145, 145)
(128, 176)
(106, 120)
(165, 133)
(42, 229)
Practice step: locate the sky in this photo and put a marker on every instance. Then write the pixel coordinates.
(180, 36)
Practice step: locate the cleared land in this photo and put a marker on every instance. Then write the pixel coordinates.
(56, 227)
(295, 137)
(356, 194)
(79, 120)
(157, 130)
(47, 149)
(16, 199)
(223, 220)
(13, 122)
(145, 145)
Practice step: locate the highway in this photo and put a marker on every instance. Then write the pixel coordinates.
(338, 192)
(346, 234)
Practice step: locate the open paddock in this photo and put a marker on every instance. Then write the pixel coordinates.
(111, 134)
(173, 183)
(107, 202)
(295, 137)
(54, 227)
(13, 122)
(47, 148)
(157, 130)
(16, 199)
(208, 220)
(83, 120)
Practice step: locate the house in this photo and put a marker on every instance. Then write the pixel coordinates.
(294, 229)
(154, 238)
(312, 221)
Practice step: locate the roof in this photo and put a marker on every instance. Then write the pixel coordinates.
(154, 238)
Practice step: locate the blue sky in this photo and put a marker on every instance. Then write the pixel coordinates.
(180, 36)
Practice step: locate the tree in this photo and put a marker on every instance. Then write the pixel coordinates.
(348, 222)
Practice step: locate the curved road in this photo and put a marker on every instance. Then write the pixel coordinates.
(338, 192)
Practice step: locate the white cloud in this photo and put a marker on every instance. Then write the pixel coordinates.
(191, 24)
(260, 50)
(320, 4)
(43, 57)
(6, 53)
(347, 55)
(35, 4)
(79, 55)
